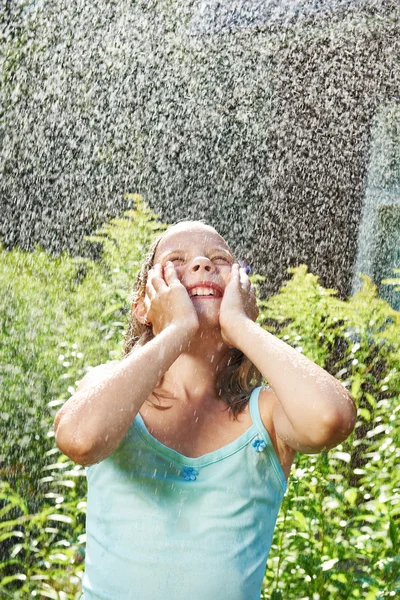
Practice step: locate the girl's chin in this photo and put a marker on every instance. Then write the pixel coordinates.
(210, 313)
(210, 325)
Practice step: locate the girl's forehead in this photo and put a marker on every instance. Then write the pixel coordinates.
(191, 238)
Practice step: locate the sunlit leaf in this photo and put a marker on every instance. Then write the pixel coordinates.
(345, 456)
(58, 557)
(351, 495)
(10, 534)
(300, 518)
(62, 518)
(11, 578)
(47, 593)
(325, 566)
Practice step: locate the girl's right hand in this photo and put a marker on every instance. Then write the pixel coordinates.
(168, 302)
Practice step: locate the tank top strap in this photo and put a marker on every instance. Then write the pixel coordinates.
(257, 421)
(255, 408)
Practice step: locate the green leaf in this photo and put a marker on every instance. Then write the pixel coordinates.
(10, 578)
(111, 309)
(364, 412)
(371, 399)
(366, 579)
(61, 518)
(49, 593)
(351, 495)
(328, 564)
(300, 518)
(394, 534)
(10, 534)
(372, 594)
(356, 386)
(276, 595)
(345, 456)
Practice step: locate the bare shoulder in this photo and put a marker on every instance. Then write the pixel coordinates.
(267, 403)
(95, 374)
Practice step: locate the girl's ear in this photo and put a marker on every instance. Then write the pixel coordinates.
(140, 311)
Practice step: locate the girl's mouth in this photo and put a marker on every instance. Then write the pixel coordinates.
(204, 289)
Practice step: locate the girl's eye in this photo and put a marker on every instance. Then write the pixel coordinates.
(215, 258)
(222, 258)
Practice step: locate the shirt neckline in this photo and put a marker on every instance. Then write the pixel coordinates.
(204, 459)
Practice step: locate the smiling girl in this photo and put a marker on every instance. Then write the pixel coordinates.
(187, 456)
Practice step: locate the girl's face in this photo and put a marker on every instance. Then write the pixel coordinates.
(199, 254)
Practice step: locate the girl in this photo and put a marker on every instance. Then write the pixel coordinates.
(186, 455)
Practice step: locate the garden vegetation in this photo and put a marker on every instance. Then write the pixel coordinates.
(337, 532)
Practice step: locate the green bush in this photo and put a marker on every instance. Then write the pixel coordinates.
(59, 317)
(337, 531)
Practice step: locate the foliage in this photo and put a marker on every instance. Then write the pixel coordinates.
(59, 317)
(337, 531)
(395, 281)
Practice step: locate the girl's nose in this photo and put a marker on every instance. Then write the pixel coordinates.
(200, 263)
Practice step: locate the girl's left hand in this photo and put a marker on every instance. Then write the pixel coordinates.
(239, 301)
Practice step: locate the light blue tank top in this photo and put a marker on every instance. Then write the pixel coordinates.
(163, 526)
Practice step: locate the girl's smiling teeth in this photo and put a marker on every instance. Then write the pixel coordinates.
(204, 292)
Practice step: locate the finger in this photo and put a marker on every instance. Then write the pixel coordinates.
(235, 273)
(157, 271)
(234, 281)
(153, 285)
(155, 278)
(170, 273)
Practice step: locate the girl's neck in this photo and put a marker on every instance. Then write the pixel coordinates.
(191, 379)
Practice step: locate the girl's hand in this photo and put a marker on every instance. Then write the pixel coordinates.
(239, 301)
(167, 301)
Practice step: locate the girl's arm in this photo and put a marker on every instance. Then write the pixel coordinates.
(312, 410)
(92, 423)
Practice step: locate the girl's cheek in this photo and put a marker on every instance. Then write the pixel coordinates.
(228, 276)
(178, 271)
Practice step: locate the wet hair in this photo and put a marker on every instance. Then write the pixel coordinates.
(236, 380)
